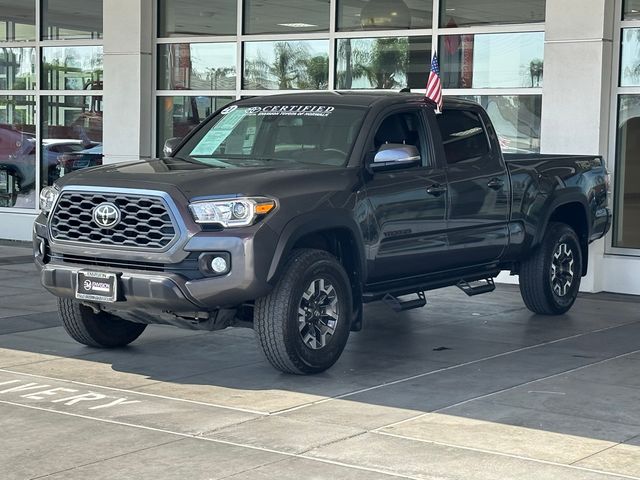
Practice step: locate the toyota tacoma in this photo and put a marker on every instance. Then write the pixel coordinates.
(287, 213)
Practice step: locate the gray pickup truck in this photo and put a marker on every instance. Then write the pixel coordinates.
(287, 213)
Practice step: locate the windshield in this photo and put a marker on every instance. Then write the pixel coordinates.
(293, 135)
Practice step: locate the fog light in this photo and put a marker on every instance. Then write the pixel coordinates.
(42, 248)
(219, 265)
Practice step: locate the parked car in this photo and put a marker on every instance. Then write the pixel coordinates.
(287, 213)
(78, 159)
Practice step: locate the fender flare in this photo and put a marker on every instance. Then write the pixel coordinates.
(556, 202)
(313, 222)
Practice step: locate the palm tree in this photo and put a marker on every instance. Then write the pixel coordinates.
(381, 63)
(287, 69)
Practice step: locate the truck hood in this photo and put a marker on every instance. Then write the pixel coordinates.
(195, 180)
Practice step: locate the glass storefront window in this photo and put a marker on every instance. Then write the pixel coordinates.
(285, 16)
(18, 152)
(500, 60)
(72, 68)
(177, 116)
(183, 18)
(459, 13)
(71, 135)
(626, 231)
(384, 14)
(516, 119)
(197, 66)
(17, 68)
(17, 20)
(71, 19)
(286, 65)
(630, 58)
(382, 63)
(631, 10)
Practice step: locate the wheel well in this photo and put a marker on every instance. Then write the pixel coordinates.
(341, 243)
(574, 215)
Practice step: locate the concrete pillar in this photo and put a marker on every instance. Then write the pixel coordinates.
(577, 86)
(128, 79)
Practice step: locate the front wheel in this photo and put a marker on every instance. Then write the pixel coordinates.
(550, 277)
(304, 323)
(101, 329)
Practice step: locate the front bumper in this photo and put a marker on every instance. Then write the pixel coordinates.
(163, 289)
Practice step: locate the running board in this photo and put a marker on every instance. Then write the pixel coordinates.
(478, 286)
(398, 306)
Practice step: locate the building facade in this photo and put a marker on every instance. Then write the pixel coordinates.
(89, 82)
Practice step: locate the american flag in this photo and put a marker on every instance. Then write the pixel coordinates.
(434, 84)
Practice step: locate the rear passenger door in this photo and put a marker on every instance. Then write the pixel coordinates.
(478, 188)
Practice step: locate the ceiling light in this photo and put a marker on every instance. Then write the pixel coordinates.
(297, 25)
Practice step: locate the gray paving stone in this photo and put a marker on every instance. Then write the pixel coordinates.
(432, 461)
(284, 434)
(186, 459)
(36, 444)
(567, 424)
(302, 468)
(621, 459)
(534, 443)
(569, 396)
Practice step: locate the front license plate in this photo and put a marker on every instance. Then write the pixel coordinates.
(97, 286)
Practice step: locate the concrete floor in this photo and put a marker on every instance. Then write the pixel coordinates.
(467, 388)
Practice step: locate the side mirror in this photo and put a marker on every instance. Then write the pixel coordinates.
(392, 156)
(170, 145)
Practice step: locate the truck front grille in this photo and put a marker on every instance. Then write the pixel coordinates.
(145, 221)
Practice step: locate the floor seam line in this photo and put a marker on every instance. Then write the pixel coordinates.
(487, 395)
(510, 455)
(75, 467)
(445, 369)
(218, 441)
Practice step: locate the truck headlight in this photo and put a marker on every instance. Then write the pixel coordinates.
(235, 212)
(48, 197)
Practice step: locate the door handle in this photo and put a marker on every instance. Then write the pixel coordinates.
(495, 184)
(436, 189)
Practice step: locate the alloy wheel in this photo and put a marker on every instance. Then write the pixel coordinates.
(562, 270)
(318, 313)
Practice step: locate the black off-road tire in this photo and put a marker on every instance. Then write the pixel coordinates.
(276, 316)
(101, 330)
(536, 273)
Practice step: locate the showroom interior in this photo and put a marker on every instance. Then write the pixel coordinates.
(86, 83)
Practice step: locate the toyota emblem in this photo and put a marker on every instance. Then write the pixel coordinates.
(106, 215)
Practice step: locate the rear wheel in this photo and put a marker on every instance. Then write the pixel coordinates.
(550, 278)
(101, 329)
(304, 323)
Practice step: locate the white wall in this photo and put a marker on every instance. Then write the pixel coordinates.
(578, 56)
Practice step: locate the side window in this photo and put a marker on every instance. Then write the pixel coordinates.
(463, 135)
(403, 128)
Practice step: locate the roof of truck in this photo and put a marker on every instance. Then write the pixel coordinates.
(351, 98)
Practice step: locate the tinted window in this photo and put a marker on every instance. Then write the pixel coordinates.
(179, 18)
(384, 14)
(381, 63)
(71, 19)
(402, 128)
(286, 65)
(286, 16)
(458, 13)
(631, 10)
(463, 135)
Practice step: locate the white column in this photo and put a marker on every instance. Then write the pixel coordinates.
(577, 90)
(128, 79)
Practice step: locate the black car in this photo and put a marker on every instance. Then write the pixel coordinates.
(287, 213)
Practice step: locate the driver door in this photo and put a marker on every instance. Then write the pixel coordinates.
(409, 204)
